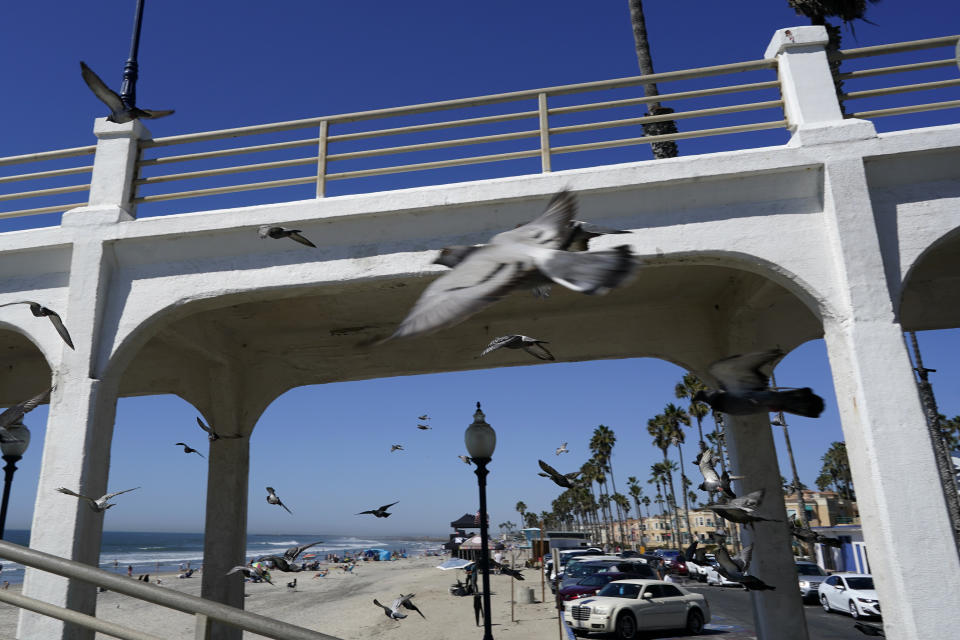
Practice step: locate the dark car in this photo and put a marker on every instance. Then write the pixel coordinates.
(591, 584)
(673, 561)
(580, 569)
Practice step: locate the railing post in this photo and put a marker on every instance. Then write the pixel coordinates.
(544, 133)
(201, 627)
(114, 170)
(322, 160)
(809, 98)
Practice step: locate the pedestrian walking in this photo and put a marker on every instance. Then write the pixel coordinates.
(129, 570)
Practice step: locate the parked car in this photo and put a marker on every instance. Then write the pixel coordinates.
(672, 561)
(628, 607)
(713, 577)
(850, 592)
(590, 585)
(580, 568)
(810, 576)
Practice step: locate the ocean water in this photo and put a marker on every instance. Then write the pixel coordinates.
(154, 552)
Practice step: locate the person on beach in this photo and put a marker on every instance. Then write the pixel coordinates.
(129, 570)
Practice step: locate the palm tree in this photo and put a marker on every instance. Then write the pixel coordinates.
(623, 505)
(636, 492)
(602, 444)
(666, 149)
(687, 389)
(837, 467)
(718, 439)
(662, 431)
(675, 417)
(590, 473)
(522, 510)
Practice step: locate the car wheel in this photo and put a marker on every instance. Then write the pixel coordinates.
(626, 626)
(854, 612)
(825, 604)
(694, 622)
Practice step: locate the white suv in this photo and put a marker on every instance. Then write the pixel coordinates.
(850, 592)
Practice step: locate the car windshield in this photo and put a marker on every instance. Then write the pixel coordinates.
(860, 583)
(809, 570)
(596, 581)
(579, 569)
(620, 590)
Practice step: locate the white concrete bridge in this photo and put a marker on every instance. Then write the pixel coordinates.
(841, 233)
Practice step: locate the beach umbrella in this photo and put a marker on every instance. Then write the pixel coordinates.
(455, 563)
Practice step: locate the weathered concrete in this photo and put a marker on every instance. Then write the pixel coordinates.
(840, 233)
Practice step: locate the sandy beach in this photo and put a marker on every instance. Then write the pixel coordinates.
(342, 605)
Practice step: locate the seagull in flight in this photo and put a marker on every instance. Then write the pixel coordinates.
(466, 459)
(119, 112)
(271, 231)
(250, 572)
(188, 449)
(533, 346)
(396, 447)
(212, 435)
(741, 510)
(40, 311)
(272, 498)
(529, 255)
(381, 512)
(14, 414)
(562, 449)
(564, 480)
(745, 389)
(99, 505)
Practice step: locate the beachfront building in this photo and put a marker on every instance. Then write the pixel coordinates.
(825, 230)
(658, 530)
(823, 508)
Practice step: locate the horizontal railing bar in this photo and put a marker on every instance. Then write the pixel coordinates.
(627, 142)
(678, 115)
(46, 174)
(49, 155)
(447, 124)
(905, 88)
(917, 108)
(251, 186)
(702, 72)
(897, 47)
(680, 95)
(229, 152)
(433, 165)
(38, 210)
(278, 164)
(426, 146)
(158, 595)
(74, 617)
(916, 66)
(44, 192)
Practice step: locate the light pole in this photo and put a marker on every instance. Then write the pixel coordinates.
(128, 90)
(13, 444)
(481, 440)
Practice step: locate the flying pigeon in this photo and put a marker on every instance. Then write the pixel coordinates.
(396, 447)
(581, 233)
(466, 459)
(423, 427)
(423, 417)
(270, 231)
(99, 505)
(406, 603)
(394, 611)
(561, 479)
(280, 563)
(294, 552)
(213, 435)
(744, 389)
(188, 449)
(381, 512)
(119, 112)
(526, 256)
(810, 536)
(504, 569)
(516, 341)
(15, 414)
(869, 629)
(712, 482)
(562, 449)
(40, 311)
(250, 572)
(735, 569)
(695, 554)
(741, 510)
(273, 499)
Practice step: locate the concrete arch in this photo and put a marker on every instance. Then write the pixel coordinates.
(930, 291)
(26, 368)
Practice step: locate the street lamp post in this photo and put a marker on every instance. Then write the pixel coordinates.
(481, 440)
(128, 90)
(13, 444)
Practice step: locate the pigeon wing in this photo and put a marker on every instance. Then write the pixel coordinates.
(484, 277)
(498, 343)
(107, 95)
(61, 329)
(551, 229)
(116, 493)
(741, 373)
(203, 425)
(749, 502)
(550, 470)
(742, 559)
(301, 239)
(387, 506)
(537, 350)
(153, 114)
(14, 413)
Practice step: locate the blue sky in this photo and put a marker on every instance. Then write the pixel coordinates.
(326, 448)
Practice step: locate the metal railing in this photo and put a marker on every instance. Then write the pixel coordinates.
(203, 610)
(918, 70)
(537, 123)
(48, 181)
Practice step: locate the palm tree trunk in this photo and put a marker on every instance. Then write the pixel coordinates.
(683, 485)
(666, 149)
(613, 482)
(672, 500)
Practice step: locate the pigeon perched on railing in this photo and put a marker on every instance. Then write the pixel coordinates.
(533, 346)
(40, 311)
(529, 255)
(119, 112)
(744, 389)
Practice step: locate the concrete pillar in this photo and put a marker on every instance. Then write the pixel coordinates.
(114, 165)
(809, 98)
(778, 615)
(901, 504)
